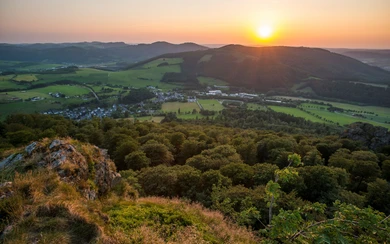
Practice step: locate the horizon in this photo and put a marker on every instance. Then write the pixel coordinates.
(330, 24)
(208, 45)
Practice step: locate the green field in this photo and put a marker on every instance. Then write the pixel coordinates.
(296, 112)
(67, 90)
(175, 106)
(254, 106)
(25, 77)
(211, 81)
(156, 119)
(156, 62)
(211, 104)
(27, 107)
(205, 58)
(380, 115)
(25, 66)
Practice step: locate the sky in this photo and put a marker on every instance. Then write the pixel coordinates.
(313, 23)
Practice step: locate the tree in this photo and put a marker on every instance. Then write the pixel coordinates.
(349, 224)
(313, 158)
(262, 173)
(378, 195)
(364, 170)
(272, 188)
(239, 173)
(126, 147)
(136, 160)
(386, 169)
(321, 183)
(157, 152)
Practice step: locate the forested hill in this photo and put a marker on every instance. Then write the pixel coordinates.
(266, 68)
(279, 187)
(90, 52)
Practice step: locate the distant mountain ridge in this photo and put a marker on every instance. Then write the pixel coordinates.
(90, 52)
(376, 57)
(266, 68)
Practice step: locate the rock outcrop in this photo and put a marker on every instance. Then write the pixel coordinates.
(373, 137)
(85, 166)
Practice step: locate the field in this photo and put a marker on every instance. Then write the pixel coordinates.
(296, 112)
(211, 81)
(156, 119)
(105, 83)
(156, 62)
(27, 107)
(205, 58)
(25, 77)
(184, 107)
(211, 104)
(67, 90)
(373, 114)
(25, 66)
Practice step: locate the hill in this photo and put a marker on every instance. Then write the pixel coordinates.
(90, 52)
(265, 68)
(375, 57)
(69, 192)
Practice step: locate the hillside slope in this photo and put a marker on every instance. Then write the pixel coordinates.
(64, 191)
(90, 52)
(266, 68)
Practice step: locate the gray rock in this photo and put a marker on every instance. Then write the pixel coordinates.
(90, 194)
(30, 148)
(6, 161)
(6, 190)
(11, 160)
(116, 179)
(56, 143)
(17, 158)
(373, 137)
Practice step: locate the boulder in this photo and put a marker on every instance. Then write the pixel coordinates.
(373, 137)
(30, 148)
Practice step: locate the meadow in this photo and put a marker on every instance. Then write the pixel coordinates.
(296, 112)
(67, 90)
(211, 104)
(174, 107)
(209, 81)
(25, 77)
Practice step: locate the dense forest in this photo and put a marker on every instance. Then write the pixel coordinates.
(275, 183)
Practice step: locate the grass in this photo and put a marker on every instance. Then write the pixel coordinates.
(137, 77)
(156, 62)
(27, 107)
(296, 112)
(346, 117)
(158, 220)
(25, 66)
(211, 104)
(380, 116)
(44, 92)
(211, 81)
(25, 77)
(205, 58)
(175, 106)
(156, 119)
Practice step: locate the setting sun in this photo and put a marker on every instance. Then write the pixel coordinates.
(265, 31)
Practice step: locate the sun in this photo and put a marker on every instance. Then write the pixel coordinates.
(265, 31)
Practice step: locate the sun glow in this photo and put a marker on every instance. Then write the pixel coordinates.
(265, 31)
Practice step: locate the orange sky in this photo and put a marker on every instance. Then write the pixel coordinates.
(330, 23)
